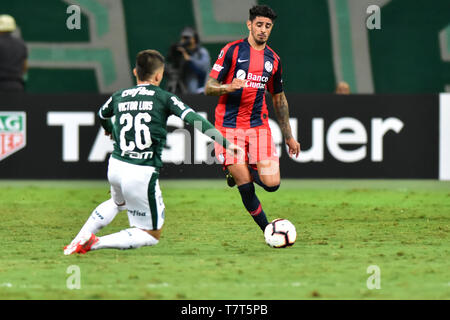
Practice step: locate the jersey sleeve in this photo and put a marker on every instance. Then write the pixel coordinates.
(177, 107)
(275, 84)
(223, 63)
(105, 114)
(207, 128)
(107, 110)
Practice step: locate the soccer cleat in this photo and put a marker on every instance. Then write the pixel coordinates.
(69, 249)
(230, 180)
(82, 246)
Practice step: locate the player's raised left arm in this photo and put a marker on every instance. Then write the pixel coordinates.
(281, 108)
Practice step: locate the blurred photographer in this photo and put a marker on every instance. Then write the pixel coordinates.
(188, 64)
(13, 57)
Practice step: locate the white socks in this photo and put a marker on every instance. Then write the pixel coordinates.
(126, 239)
(100, 217)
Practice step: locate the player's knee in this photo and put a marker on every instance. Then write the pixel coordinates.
(271, 183)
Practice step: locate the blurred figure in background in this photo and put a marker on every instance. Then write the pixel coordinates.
(342, 88)
(13, 57)
(188, 64)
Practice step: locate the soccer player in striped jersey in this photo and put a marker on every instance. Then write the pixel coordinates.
(139, 133)
(243, 71)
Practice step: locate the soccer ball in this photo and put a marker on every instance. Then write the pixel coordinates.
(280, 233)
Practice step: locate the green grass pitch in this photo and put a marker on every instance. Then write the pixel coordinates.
(212, 249)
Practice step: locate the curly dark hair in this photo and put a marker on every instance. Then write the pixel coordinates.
(262, 11)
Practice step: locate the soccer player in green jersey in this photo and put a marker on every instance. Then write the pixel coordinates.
(139, 133)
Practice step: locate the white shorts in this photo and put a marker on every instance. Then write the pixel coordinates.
(138, 187)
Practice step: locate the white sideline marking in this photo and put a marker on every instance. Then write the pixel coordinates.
(6, 284)
(444, 136)
(158, 285)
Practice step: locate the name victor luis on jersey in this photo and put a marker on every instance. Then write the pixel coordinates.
(136, 105)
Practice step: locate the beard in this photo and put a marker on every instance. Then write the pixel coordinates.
(258, 41)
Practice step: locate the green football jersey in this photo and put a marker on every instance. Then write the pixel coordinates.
(140, 126)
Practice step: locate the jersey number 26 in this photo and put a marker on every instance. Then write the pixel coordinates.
(142, 137)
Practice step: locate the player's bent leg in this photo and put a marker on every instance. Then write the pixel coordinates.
(145, 206)
(269, 175)
(100, 217)
(240, 173)
(131, 238)
(265, 168)
(143, 198)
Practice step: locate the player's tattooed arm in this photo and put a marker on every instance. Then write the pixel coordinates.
(215, 88)
(281, 108)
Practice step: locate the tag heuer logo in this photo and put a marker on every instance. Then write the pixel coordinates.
(12, 133)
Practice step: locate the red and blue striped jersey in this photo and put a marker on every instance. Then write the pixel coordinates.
(246, 107)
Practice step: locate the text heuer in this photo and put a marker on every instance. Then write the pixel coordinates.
(12, 133)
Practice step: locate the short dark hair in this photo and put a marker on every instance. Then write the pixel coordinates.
(262, 11)
(147, 62)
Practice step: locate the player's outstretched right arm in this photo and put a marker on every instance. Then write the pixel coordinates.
(208, 129)
(178, 108)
